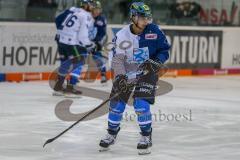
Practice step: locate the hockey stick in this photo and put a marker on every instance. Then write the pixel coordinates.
(85, 116)
(82, 118)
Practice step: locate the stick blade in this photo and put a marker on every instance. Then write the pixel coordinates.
(48, 141)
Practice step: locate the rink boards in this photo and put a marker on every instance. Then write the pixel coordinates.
(28, 51)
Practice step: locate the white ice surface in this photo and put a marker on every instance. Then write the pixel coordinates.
(27, 120)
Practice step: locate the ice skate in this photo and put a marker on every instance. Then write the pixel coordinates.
(58, 93)
(71, 92)
(58, 88)
(144, 144)
(108, 140)
(103, 79)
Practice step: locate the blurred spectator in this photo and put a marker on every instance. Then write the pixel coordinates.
(41, 10)
(42, 3)
(13, 9)
(185, 9)
(124, 9)
(64, 4)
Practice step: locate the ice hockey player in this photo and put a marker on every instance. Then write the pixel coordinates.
(74, 26)
(100, 39)
(148, 52)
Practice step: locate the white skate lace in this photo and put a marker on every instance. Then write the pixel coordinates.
(144, 140)
(109, 138)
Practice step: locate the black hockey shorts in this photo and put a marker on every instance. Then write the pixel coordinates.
(145, 88)
(71, 52)
(123, 96)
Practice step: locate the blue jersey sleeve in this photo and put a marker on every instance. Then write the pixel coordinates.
(163, 47)
(61, 18)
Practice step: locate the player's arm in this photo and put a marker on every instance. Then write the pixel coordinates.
(163, 47)
(118, 58)
(156, 62)
(88, 44)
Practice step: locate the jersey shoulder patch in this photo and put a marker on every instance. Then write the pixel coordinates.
(153, 32)
(151, 36)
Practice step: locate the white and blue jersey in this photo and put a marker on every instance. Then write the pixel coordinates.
(75, 27)
(75, 31)
(131, 50)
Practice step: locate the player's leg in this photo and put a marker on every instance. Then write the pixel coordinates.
(116, 109)
(144, 117)
(63, 70)
(79, 54)
(98, 58)
(144, 95)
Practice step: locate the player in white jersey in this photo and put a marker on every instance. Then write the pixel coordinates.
(140, 48)
(74, 33)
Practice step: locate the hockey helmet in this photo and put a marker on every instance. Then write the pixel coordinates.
(140, 9)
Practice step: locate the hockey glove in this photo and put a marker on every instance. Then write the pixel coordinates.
(153, 67)
(120, 84)
(91, 48)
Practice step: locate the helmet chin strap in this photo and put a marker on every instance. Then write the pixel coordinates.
(136, 24)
